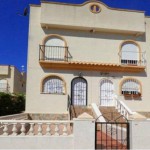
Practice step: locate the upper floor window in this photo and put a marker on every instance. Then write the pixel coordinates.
(54, 48)
(53, 85)
(131, 87)
(3, 85)
(130, 53)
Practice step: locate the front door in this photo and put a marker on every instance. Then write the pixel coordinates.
(106, 92)
(79, 91)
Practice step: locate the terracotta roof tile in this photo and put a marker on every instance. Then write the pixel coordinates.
(93, 63)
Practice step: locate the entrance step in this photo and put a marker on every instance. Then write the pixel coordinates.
(78, 110)
(111, 114)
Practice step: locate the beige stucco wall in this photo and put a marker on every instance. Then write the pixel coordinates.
(19, 82)
(81, 17)
(14, 79)
(9, 77)
(4, 70)
(84, 46)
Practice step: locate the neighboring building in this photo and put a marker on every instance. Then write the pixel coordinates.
(12, 80)
(88, 52)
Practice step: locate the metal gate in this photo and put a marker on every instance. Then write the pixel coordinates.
(112, 135)
(79, 91)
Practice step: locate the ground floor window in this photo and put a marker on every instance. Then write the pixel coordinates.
(53, 85)
(131, 87)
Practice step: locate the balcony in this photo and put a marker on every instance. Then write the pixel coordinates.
(53, 53)
(58, 57)
(130, 58)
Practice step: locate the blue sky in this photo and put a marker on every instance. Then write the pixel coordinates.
(14, 28)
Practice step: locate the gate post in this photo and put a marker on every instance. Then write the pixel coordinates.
(84, 132)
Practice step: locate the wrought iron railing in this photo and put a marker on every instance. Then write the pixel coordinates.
(112, 135)
(133, 58)
(53, 53)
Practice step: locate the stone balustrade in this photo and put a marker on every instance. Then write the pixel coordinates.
(35, 128)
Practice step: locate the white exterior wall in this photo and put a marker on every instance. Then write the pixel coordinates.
(139, 134)
(84, 46)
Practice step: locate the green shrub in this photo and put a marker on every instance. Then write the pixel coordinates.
(11, 103)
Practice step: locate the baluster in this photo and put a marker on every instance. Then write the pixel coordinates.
(22, 129)
(31, 129)
(121, 109)
(5, 129)
(118, 106)
(116, 103)
(48, 129)
(56, 130)
(65, 129)
(39, 128)
(127, 115)
(14, 129)
(124, 114)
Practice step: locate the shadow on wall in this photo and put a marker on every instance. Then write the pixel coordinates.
(96, 34)
(114, 75)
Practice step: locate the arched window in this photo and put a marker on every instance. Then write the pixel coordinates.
(106, 92)
(53, 85)
(3, 85)
(79, 91)
(131, 87)
(54, 48)
(130, 53)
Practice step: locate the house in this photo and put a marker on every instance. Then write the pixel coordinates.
(85, 56)
(88, 52)
(12, 80)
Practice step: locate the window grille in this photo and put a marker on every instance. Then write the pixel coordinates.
(53, 85)
(79, 91)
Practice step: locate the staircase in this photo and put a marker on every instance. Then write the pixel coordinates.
(75, 111)
(111, 114)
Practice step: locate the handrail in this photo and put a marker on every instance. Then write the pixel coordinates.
(69, 106)
(129, 61)
(123, 108)
(35, 121)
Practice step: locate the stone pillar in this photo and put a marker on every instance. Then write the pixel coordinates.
(84, 132)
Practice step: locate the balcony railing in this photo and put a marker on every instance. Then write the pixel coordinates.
(133, 58)
(53, 53)
(59, 57)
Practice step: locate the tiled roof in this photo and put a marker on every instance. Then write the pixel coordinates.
(93, 63)
(95, 66)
